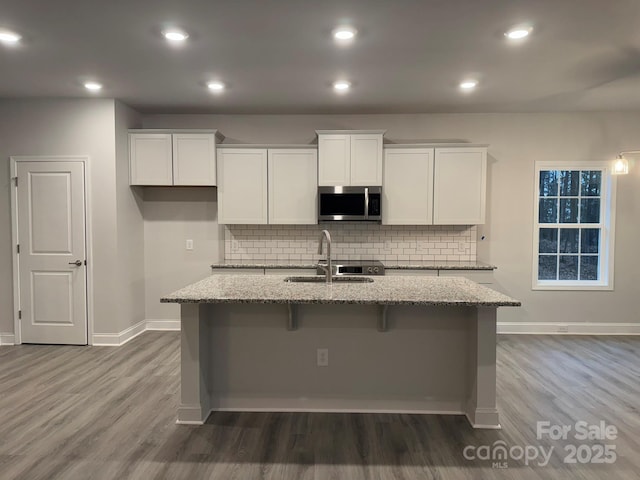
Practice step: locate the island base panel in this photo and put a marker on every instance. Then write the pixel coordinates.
(242, 357)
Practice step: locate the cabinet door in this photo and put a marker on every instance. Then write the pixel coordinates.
(459, 189)
(194, 159)
(293, 186)
(150, 159)
(407, 187)
(334, 151)
(242, 186)
(366, 159)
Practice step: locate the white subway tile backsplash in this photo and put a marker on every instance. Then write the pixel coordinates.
(352, 241)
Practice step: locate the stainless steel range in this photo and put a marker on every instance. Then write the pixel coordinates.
(355, 267)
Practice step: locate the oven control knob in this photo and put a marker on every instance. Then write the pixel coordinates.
(375, 269)
(370, 270)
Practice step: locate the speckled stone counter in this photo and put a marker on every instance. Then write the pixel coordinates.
(419, 344)
(395, 265)
(383, 290)
(437, 265)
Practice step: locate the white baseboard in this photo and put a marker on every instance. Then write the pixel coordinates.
(7, 339)
(258, 403)
(162, 325)
(570, 328)
(117, 339)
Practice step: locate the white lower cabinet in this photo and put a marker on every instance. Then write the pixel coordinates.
(260, 186)
(409, 272)
(293, 272)
(237, 271)
(478, 276)
(484, 277)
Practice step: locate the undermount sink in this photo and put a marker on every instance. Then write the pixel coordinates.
(321, 279)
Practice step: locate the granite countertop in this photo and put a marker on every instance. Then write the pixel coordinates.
(389, 265)
(392, 290)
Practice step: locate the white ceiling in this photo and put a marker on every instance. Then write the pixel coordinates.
(277, 56)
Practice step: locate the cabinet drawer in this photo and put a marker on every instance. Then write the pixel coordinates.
(478, 276)
(237, 271)
(298, 272)
(410, 272)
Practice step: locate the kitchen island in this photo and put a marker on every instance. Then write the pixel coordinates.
(395, 344)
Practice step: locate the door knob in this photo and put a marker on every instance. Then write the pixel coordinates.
(77, 263)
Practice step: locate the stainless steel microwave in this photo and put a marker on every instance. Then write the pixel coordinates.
(350, 204)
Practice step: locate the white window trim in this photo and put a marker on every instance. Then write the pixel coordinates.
(608, 214)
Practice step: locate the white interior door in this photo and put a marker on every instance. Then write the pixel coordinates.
(52, 266)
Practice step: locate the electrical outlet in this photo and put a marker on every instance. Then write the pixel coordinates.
(563, 328)
(235, 246)
(387, 245)
(461, 247)
(189, 244)
(322, 357)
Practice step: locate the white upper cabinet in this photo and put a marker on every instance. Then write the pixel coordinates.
(173, 158)
(242, 186)
(349, 158)
(426, 185)
(459, 188)
(293, 186)
(334, 154)
(366, 159)
(194, 159)
(150, 159)
(260, 185)
(407, 186)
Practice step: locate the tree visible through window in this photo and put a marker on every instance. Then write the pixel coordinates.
(572, 227)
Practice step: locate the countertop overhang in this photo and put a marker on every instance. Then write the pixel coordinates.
(384, 290)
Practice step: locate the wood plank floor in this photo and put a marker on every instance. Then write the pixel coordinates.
(109, 413)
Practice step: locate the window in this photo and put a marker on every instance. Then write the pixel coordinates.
(573, 234)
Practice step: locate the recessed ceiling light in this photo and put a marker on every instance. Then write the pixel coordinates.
(344, 33)
(9, 38)
(93, 86)
(341, 86)
(518, 33)
(215, 86)
(175, 35)
(468, 84)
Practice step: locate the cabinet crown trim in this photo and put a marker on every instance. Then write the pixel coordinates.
(350, 132)
(435, 145)
(219, 136)
(268, 146)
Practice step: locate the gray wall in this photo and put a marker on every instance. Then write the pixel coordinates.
(129, 256)
(171, 216)
(516, 142)
(96, 128)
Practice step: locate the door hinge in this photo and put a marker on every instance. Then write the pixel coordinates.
(18, 248)
(19, 314)
(85, 263)
(16, 180)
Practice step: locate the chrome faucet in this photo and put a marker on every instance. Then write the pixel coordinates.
(327, 269)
